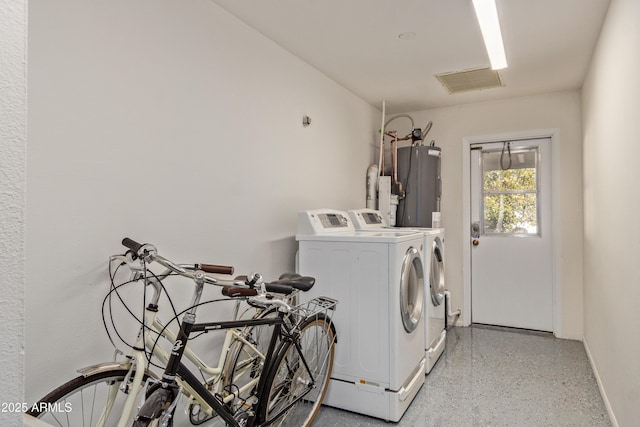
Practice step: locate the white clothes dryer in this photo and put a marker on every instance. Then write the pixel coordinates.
(433, 261)
(436, 333)
(378, 280)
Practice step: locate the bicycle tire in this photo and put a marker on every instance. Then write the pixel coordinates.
(65, 406)
(285, 400)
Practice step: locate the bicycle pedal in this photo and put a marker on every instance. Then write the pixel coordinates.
(242, 417)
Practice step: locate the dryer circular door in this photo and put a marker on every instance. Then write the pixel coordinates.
(436, 273)
(411, 290)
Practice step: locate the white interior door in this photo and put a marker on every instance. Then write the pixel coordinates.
(511, 243)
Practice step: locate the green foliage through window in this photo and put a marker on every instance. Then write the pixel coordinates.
(510, 198)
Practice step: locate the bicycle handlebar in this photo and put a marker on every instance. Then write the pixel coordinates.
(195, 271)
(150, 251)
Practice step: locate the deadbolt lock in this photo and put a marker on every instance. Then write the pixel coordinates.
(475, 230)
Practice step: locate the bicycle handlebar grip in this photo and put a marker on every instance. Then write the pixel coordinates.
(131, 244)
(216, 269)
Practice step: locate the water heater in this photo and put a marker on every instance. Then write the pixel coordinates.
(419, 173)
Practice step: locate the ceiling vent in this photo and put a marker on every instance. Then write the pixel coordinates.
(465, 81)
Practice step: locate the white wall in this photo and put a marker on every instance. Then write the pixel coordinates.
(171, 123)
(611, 104)
(559, 111)
(13, 129)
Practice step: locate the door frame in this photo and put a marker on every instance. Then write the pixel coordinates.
(554, 135)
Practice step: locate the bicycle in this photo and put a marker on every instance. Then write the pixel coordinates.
(258, 381)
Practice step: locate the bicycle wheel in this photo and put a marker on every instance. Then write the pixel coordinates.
(84, 400)
(293, 394)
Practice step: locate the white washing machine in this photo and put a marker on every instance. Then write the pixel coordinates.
(378, 280)
(433, 261)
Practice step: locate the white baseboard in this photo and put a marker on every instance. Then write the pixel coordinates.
(603, 393)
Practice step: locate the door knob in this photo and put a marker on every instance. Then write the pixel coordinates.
(475, 242)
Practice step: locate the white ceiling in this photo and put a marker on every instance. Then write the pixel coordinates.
(355, 42)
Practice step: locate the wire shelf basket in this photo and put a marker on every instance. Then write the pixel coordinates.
(317, 307)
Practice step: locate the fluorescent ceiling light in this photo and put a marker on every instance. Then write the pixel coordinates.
(490, 26)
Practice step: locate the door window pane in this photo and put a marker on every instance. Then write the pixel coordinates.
(510, 191)
(510, 180)
(510, 213)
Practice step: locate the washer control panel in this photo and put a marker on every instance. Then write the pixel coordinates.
(321, 221)
(366, 219)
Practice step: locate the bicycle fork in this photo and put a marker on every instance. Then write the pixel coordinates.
(135, 386)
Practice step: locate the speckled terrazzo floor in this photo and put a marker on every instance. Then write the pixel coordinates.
(497, 377)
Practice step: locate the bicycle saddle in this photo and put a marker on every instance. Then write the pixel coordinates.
(285, 284)
(303, 283)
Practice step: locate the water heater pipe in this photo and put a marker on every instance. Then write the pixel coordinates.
(399, 116)
(395, 157)
(450, 313)
(382, 130)
(372, 184)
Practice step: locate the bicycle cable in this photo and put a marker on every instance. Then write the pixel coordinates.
(149, 355)
(176, 318)
(115, 289)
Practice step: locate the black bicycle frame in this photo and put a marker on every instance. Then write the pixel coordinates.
(175, 367)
